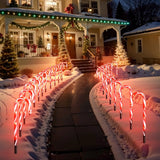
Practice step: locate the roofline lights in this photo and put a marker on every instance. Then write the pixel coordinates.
(33, 15)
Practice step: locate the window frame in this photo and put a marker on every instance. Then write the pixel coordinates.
(95, 39)
(19, 2)
(25, 31)
(90, 5)
(137, 45)
(60, 6)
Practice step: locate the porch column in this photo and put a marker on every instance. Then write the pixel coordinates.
(8, 20)
(118, 31)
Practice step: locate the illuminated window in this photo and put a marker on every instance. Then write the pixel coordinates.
(53, 5)
(26, 3)
(89, 4)
(15, 0)
(28, 38)
(15, 36)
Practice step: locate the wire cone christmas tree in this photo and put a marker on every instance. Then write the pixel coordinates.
(8, 61)
(120, 57)
(63, 52)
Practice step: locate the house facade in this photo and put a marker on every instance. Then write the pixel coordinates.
(38, 26)
(143, 44)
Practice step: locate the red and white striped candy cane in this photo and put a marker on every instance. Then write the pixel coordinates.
(144, 112)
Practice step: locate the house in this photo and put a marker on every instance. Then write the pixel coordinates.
(55, 26)
(143, 43)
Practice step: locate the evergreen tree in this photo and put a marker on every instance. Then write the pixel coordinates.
(85, 46)
(63, 52)
(8, 61)
(120, 57)
(120, 12)
(13, 3)
(40, 42)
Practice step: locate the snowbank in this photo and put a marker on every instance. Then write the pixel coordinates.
(142, 78)
(136, 71)
(131, 141)
(32, 144)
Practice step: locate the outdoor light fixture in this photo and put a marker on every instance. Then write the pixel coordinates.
(48, 46)
(48, 36)
(90, 10)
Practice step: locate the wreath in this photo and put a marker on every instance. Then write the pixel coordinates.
(1, 38)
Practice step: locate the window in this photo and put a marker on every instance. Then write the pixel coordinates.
(53, 5)
(92, 4)
(93, 40)
(15, 0)
(139, 45)
(84, 6)
(15, 37)
(28, 38)
(26, 3)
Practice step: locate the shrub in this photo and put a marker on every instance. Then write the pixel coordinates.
(27, 72)
(44, 54)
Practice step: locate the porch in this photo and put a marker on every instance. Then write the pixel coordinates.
(52, 34)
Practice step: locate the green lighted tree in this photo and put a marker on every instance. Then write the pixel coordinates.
(40, 42)
(13, 3)
(8, 60)
(85, 46)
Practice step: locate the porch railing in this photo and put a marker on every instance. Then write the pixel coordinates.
(95, 54)
(33, 51)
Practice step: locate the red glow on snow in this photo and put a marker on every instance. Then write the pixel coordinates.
(27, 96)
(107, 75)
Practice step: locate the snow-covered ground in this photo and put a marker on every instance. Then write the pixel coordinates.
(32, 144)
(128, 144)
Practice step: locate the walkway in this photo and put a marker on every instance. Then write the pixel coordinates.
(76, 134)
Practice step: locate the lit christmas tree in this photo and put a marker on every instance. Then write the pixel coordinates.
(40, 42)
(85, 46)
(8, 61)
(63, 52)
(120, 57)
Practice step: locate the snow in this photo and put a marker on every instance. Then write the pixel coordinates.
(128, 144)
(145, 28)
(32, 144)
(60, 14)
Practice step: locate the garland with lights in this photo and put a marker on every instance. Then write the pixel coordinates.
(41, 15)
(63, 52)
(31, 27)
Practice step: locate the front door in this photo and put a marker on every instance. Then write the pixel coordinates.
(54, 44)
(70, 43)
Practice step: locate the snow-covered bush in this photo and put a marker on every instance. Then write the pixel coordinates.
(67, 73)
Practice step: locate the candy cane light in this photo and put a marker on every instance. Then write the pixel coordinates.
(131, 102)
(144, 112)
(115, 83)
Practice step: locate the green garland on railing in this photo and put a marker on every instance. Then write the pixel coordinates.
(30, 27)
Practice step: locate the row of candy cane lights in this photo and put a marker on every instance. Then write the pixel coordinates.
(27, 97)
(107, 74)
